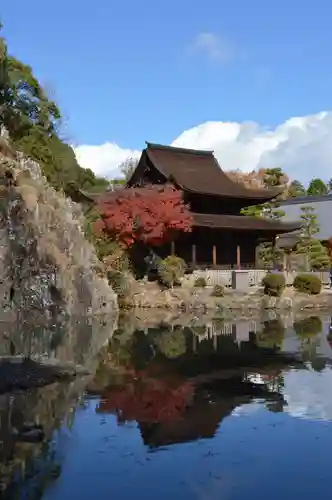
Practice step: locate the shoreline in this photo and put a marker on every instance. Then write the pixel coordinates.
(148, 295)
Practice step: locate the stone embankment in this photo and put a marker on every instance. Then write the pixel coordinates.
(149, 295)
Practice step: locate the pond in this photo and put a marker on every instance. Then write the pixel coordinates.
(189, 410)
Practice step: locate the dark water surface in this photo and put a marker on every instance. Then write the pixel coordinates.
(207, 412)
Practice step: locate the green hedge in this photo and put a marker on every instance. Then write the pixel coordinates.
(274, 284)
(200, 282)
(308, 283)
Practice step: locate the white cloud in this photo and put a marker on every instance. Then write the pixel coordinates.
(104, 159)
(213, 47)
(302, 146)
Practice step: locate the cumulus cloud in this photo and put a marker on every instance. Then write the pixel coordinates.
(212, 47)
(105, 159)
(302, 146)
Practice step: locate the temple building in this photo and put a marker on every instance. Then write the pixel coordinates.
(221, 236)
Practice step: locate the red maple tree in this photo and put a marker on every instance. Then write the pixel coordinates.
(150, 214)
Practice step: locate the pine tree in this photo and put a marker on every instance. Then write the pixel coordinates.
(269, 254)
(316, 254)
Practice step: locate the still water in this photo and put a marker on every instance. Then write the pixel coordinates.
(214, 411)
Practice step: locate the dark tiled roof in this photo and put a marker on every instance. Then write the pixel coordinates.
(200, 172)
(243, 222)
(300, 200)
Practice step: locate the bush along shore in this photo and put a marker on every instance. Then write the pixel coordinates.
(175, 291)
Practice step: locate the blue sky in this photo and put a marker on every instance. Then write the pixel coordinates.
(125, 72)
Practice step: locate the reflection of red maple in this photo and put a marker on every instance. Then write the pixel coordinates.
(148, 401)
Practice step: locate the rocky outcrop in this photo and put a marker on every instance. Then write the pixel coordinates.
(50, 279)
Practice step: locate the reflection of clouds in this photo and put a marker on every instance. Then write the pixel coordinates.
(247, 409)
(308, 394)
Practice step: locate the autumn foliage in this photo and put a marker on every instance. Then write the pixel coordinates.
(147, 400)
(262, 178)
(150, 214)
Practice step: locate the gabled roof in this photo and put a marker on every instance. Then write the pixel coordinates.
(199, 172)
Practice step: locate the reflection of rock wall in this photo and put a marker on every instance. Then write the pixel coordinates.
(48, 407)
(77, 341)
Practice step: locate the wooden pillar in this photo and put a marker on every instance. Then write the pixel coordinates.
(214, 255)
(173, 248)
(238, 256)
(193, 254)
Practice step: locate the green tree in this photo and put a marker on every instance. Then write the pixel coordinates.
(253, 211)
(316, 255)
(274, 177)
(33, 122)
(317, 187)
(296, 189)
(268, 254)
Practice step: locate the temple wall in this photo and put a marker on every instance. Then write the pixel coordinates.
(214, 244)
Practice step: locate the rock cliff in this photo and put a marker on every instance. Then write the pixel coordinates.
(50, 276)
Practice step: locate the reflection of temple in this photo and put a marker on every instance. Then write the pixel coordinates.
(214, 401)
(239, 332)
(190, 380)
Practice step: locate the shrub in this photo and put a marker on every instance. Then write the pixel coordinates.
(200, 282)
(308, 283)
(274, 284)
(171, 270)
(171, 343)
(118, 281)
(218, 291)
(308, 327)
(272, 334)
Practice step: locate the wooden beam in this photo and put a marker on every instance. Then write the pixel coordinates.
(214, 255)
(238, 256)
(193, 254)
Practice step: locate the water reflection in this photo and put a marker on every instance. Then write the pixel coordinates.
(76, 341)
(27, 423)
(168, 386)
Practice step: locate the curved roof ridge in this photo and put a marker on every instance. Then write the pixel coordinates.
(152, 145)
(201, 173)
